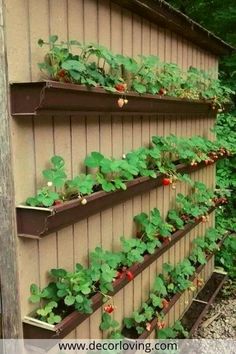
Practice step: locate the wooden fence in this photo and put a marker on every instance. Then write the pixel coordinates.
(36, 139)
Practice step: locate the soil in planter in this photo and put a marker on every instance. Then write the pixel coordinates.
(212, 284)
(191, 316)
(130, 333)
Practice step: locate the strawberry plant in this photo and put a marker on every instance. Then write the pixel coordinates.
(132, 251)
(152, 227)
(178, 276)
(174, 218)
(203, 245)
(226, 257)
(47, 313)
(111, 174)
(73, 290)
(107, 322)
(95, 65)
(45, 198)
(56, 175)
(176, 331)
(175, 279)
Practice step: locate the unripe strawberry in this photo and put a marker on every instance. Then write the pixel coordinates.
(84, 201)
(192, 288)
(58, 202)
(162, 92)
(200, 282)
(160, 324)
(204, 219)
(120, 102)
(148, 326)
(125, 101)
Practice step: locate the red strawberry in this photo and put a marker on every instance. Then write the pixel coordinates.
(58, 202)
(62, 73)
(166, 241)
(165, 303)
(109, 308)
(129, 275)
(166, 181)
(121, 87)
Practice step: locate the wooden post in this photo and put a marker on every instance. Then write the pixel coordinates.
(11, 321)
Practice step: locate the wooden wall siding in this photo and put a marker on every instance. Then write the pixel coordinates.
(36, 140)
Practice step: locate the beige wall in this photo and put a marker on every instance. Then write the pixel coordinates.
(35, 140)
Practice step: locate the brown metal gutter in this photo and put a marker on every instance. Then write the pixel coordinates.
(56, 98)
(75, 318)
(164, 15)
(39, 222)
(176, 297)
(200, 305)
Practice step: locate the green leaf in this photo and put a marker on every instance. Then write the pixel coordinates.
(79, 299)
(53, 38)
(74, 66)
(159, 286)
(58, 161)
(138, 87)
(34, 289)
(62, 293)
(94, 159)
(128, 322)
(58, 273)
(69, 300)
(35, 298)
(156, 300)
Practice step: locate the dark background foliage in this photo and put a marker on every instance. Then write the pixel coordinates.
(219, 17)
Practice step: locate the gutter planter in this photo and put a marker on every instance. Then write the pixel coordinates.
(132, 334)
(35, 222)
(56, 98)
(35, 329)
(200, 305)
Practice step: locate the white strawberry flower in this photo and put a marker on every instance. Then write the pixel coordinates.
(49, 184)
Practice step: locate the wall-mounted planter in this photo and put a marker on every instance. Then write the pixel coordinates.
(130, 333)
(39, 222)
(200, 305)
(35, 329)
(51, 97)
